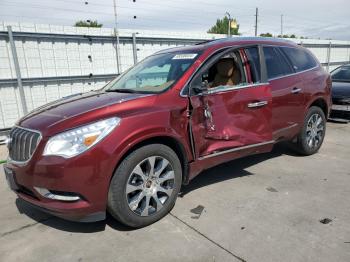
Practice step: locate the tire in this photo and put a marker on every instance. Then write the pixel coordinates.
(311, 136)
(135, 183)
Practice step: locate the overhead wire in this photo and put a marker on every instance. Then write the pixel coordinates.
(143, 17)
(142, 8)
(128, 18)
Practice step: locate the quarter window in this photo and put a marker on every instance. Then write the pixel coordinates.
(276, 64)
(300, 59)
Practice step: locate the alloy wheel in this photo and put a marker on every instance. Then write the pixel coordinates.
(314, 130)
(150, 185)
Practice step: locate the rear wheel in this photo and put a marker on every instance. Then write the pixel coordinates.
(312, 134)
(144, 187)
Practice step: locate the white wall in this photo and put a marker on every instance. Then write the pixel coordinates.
(69, 57)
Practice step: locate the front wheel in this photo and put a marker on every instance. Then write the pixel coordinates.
(145, 186)
(312, 133)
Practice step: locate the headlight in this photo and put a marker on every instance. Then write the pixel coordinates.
(78, 140)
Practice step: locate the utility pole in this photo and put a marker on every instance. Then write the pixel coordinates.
(229, 24)
(116, 34)
(256, 21)
(281, 26)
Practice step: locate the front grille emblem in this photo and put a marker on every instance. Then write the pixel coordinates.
(22, 143)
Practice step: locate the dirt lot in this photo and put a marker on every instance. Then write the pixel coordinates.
(261, 208)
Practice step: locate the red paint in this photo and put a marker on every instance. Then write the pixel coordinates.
(164, 115)
(234, 124)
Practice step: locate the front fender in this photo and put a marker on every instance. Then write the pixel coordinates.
(136, 130)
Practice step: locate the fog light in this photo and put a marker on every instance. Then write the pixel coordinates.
(62, 196)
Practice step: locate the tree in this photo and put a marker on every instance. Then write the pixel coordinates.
(283, 36)
(221, 27)
(87, 23)
(286, 36)
(266, 35)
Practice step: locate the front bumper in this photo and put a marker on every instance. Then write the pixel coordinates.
(86, 176)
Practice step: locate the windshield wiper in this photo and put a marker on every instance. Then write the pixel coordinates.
(122, 90)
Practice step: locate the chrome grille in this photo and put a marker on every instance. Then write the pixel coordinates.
(23, 143)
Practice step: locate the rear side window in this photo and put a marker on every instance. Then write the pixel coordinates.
(300, 59)
(276, 63)
(254, 63)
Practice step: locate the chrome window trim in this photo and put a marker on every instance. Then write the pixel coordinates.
(238, 46)
(236, 149)
(206, 59)
(296, 73)
(23, 163)
(219, 89)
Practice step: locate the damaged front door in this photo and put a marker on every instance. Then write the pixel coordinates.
(231, 107)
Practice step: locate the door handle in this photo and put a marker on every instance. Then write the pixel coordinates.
(296, 90)
(257, 104)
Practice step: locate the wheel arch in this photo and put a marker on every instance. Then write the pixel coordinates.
(321, 103)
(169, 141)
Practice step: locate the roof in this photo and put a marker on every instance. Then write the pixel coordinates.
(253, 39)
(230, 41)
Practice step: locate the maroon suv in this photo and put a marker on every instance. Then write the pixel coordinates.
(129, 147)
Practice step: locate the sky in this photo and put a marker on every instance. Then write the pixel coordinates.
(308, 18)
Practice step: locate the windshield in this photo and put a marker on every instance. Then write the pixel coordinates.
(341, 74)
(154, 74)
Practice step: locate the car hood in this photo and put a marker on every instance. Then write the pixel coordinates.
(341, 89)
(47, 116)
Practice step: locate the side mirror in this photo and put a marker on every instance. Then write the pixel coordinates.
(203, 88)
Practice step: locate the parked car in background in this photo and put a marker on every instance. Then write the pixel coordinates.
(341, 92)
(129, 147)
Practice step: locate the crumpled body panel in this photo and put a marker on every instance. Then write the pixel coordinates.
(223, 120)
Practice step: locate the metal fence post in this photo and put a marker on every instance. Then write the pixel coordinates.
(134, 48)
(2, 116)
(117, 51)
(329, 55)
(18, 70)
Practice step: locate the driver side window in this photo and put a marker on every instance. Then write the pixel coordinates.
(227, 71)
(224, 72)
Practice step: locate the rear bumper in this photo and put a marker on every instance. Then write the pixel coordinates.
(340, 107)
(340, 114)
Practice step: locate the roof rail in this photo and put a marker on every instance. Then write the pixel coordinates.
(250, 38)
